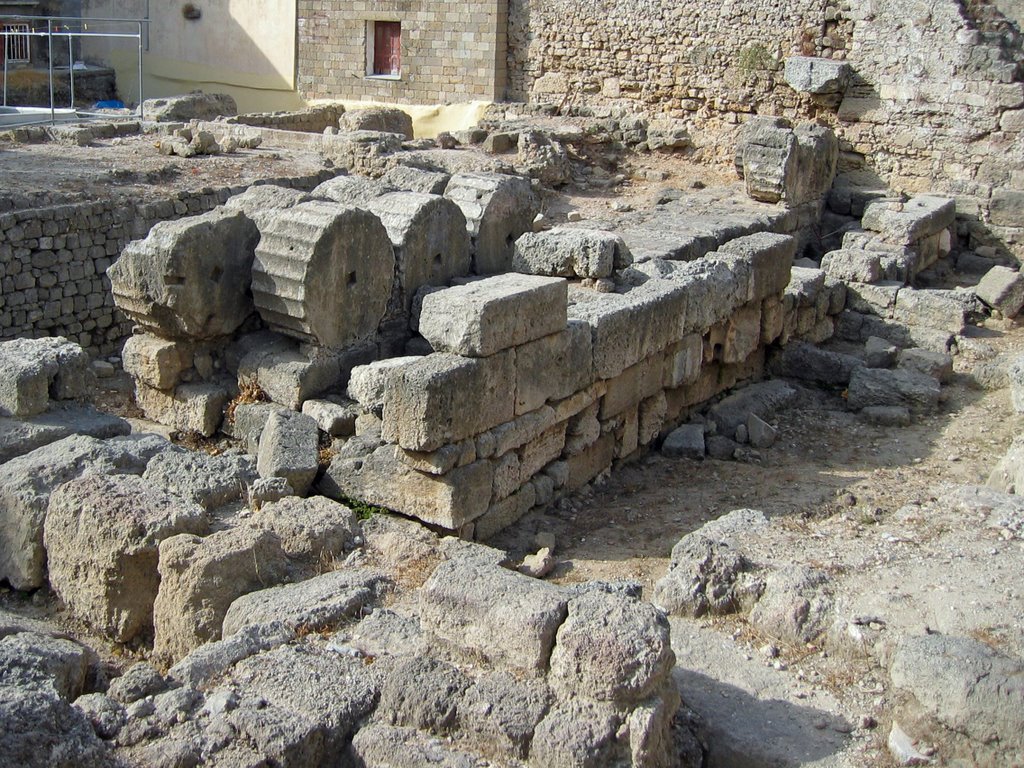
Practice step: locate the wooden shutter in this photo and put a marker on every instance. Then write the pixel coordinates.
(387, 48)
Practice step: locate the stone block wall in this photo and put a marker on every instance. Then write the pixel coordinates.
(53, 262)
(311, 120)
(450, 52)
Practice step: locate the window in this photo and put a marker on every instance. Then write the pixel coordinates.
(15, 41)
(384, 48)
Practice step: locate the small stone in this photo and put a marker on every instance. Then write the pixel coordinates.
(574, 216)
(539, 565)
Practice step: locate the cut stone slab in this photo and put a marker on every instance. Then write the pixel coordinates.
(37, 369)
(156, 362)
(770, 257)
(316, 529)
(1003, 289)
(291, 376)
(102, 535)
(429, 236)
(938, 365)
(854, 266)
(504, 616)
(570, 252)
(945, 310)
(209, 481)
(336, 418)
(907, 223)
(685, 442)
(19, 437)
(416, 180)
(878, 386)
(189, 408)
(781, 164)
(314, 604)
(487, 316)
(498, 209)
(323, 273)
(190, 278)
(190, 106)
(817, 76)
(201, 577)
(289, 448)
(383, 119)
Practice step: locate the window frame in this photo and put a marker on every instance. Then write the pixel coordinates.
(371, 50)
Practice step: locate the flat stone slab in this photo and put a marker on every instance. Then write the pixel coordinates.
(20, 437)
(487, 316)
(909, 222)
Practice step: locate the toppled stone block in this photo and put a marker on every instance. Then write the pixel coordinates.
(880, 353)
(498, 209)
(351, 190)
(852, 265)
(323, 273)
(799, 360)
(878, 386)
(189, 408)
(430, 240)
(570, 252)
(817, 76)
(912, 221)
(543, 158)
(383, 119)
(315, 529)
(289, 448)
(209, 481)
(382, 478)
(101, 536)
(261, 200)
(685, 442)
(201, 577)
(938, 365)
(504, 616)
(156, 362)
(368, 383)
(760, 433)
(781, 164)
(190, 106)
(190, 278)
(487, 316)
(37, 369)
(416, 180)
(337, 419)
(35, 661)
(1002, 289)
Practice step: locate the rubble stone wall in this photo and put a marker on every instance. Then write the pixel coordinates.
(311, 120)
(448, 52)
(53, 262)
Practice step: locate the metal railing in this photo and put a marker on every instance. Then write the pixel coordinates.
(73, 28)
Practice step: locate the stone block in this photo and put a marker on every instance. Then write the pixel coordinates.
(351, 190)
(190, 278)
(484, 317)
(589, 463)
(931, 308)
(260, 201)
(416, 180)
(762, 399)
(316, 529)
(501, 514)
(781, 164)
(382, 119)
(851, 265)
(685, 442)
(484, 610)
(323, 273)
(909, 222)
(553, 367)
(817, 76)
(337, 419)
(291, 376)
(248, 421)
(102, 536)
(444, 398)
(1002, 289)
(156, 362)
(190, 408)
(498, 209)
(938, 365)
(899, 387)
(383, 479)
(1006, 208)
(799, 360)
(770, 257)
(873, 299)
(209, 481)
(570, 252)
(289, 448)
(368, 383)
(37, 369)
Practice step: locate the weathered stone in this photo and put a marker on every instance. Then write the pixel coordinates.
(498, 209)
(335, 417)
(19, 437)
(289, 448)
(384, 119)
(37, 369)
(316, 528)
(501, 713)
(760, 433)
(106, 715)
(383, 479)
(190, 106)
(323, 273)
(818, 76)
(423, 693)
(850, 265)
(429, 236)
(200, 578)
(443, 398)
(762, 399)
(189, 408)
(779, 163)
(907, 223)
(315, 604)
(43, 731)
(553, 367)
(210, 661)
(406, 748)
(770, 257)
(355, 191)
(796, 605)
(260, 201)
(499, 614)
(190, 278)
(887, 415)
(209, 481)
(156, 362)
(880, 353)
(416, 180)
(685, 442)
(101, 536)
(139, 681)
(47, 664)
(938, 365)
(932, 308)
(1003, 289)
(799, 360)
(570, 252)
(578, 734)
(368, 383)
(878, 386)
(292, 376)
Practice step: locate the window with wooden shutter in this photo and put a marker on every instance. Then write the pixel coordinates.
(387, 48)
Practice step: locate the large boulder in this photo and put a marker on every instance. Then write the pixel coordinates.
(780, 163)
(189, 279)
(102, 536)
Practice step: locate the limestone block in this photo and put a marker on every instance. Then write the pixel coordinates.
(781, 164)
(505, 512)
(430, 239)
(189, 408)
(416, 180)
(249, 421)
(880, 386)
(289, 448)
(714, 288)
(485, 610)
(486, 316)
(384, 119)
(553, 367)
(190, 106)
(873, 299)
(209, 481)
(316, 529)
(1003, 289)
(337, 419)
(938, 365)
(498, 209)
(912, 221)
(36, 369)
(101, 536)
(368, 383)
(810, 74)
(26, 483)
(154, 361)
(799, 360)
(443, 460)
(383, 479)
(855, 266)
(685, 442)
(190, 278)
(262, 200)
(931, 308)
(770, 256)
(589, 463)
(570, 252)
(1007, 207)
(291, 376)
(743, 334)
(513, 434)
(444, 398)
(323, 273)
(355, 191)
(201, 577)
(762, 399)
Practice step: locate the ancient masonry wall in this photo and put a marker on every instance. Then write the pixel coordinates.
(450, 52)
(53, 261)
(935, 101)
